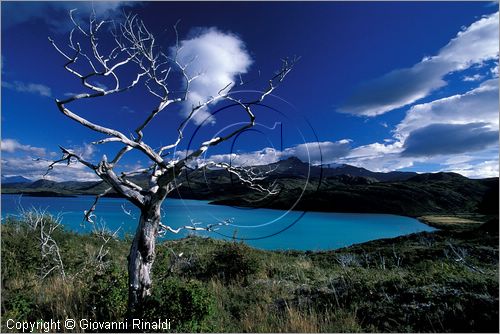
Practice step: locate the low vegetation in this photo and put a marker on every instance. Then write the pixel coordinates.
(445, 281)
(455, 223)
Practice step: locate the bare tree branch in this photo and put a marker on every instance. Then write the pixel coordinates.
(67, 158)
(89, 214)
(461, 255)
(135, 50)
(193, 227)
(286, 68)
(247, 176)
(45, 225)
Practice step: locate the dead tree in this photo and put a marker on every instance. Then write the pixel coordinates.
(135, 48)
(44, 225)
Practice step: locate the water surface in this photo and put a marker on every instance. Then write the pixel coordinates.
(261, 228)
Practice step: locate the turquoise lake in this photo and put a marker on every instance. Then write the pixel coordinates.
(261, 228)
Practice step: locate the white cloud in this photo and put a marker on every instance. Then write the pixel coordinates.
(483, 169)
(262, 157)
(320, 152)
(377, 149)
(12, 146)
(396, 89)
(33, 162)
(458, 159)
(35, 169)
(459, 132)
(494, 71)
(219, 57)
(472, 78)
(32, 88)
(86, 151)
(479, 105)
(446, 139)
(378, 157)
(475, 45)
(467, 159)
(313, 152)
(386, 158)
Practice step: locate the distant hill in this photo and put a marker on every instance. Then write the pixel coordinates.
(358, 171)
(339, 188)
(343, 193)
(288, 168)
(15, 179)
(441, 176)
(295, 167)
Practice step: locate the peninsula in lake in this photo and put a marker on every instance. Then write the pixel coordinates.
(300, 186)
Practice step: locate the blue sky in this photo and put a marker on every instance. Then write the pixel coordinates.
(381, 85)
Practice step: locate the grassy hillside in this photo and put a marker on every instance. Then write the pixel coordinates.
(442, 193)
(446, 281)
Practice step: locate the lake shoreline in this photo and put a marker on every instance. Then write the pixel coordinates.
(431, 219)
(262, 228)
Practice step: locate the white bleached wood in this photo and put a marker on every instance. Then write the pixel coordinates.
(137, 50)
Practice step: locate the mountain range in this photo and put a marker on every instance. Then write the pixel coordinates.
(300, 186)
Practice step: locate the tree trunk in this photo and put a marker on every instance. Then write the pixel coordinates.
(142, 256)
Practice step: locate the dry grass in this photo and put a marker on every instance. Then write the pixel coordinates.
(64, 298)
(293, 320)
(450, 222)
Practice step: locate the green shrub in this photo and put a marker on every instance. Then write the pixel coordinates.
(20, 250)
(19, 305)
(233, 262)
(108, 294)
(188, 305)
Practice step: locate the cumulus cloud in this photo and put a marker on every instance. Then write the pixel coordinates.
(35, 169)
(32, 162)
(313, 153)
(9, 145)
(447, 139)
(488, 168)
(477, 105)
(494, 71)
(320, 152)
(474, 45)
(378, 157)
(457, 132)
(86, 151)
(262, 157)
(33, 88)
(219, 57)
